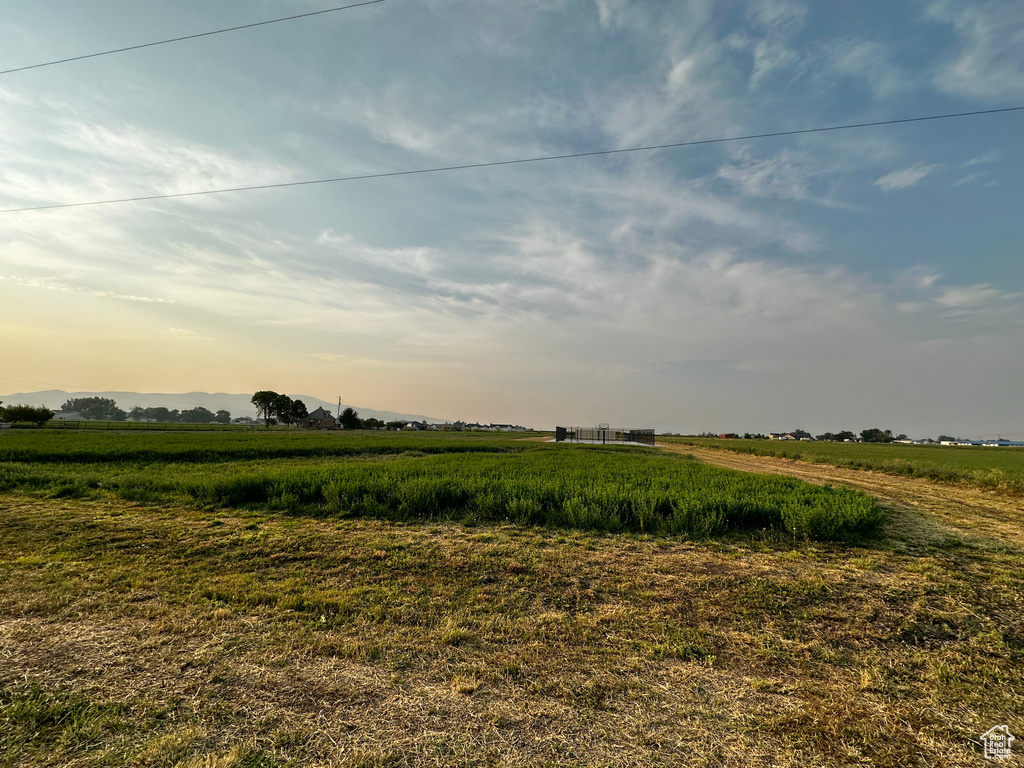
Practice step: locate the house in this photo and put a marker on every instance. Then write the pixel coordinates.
(728, 436)
(320, 419)
(780, 436)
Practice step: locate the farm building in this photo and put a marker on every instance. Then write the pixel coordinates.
(320, 419)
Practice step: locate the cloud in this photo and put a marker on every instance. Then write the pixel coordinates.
(965, 180)
(80, 157)
(61, 287)
(987, 64)
(775, 22)
(779, 176)
(185, 333)
(779, 15)
(967, 296)
(988, 157)
(611, 12)
(868, 61)
(906, 178)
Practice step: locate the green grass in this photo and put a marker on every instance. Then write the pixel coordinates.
(137, 426)
(41, 446)
(409, 477)
(996, 468)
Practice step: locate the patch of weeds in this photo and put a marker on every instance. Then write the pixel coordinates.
(374, 759)
(456, 636)
(467, 686)
(686, 645)
(592, 694)
(36, 721)
(170, 749)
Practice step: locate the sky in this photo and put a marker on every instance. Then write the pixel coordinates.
(824, 281)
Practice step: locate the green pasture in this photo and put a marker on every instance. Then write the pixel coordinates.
(430, 477)
(997, 468)
(212, 447)
(162, 426)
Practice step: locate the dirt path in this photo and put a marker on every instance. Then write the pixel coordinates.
(971, 511)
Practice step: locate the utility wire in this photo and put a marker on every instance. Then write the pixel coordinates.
(521, 161)
(191, 37)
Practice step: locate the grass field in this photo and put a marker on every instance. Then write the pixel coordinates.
(185, 632)
(1000, 469)
(138, 426)
(413, 477)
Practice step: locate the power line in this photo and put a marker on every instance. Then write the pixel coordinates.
(190, 37)
(520, 161)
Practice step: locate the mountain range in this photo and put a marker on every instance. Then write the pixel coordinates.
(237, 405)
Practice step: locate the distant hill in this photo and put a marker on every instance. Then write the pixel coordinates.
(237, 405)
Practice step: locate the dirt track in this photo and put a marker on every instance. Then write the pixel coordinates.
(972, 511)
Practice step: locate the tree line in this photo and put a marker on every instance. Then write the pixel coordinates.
(105, 408)
(198, 415)
(349, 419)
(872, 435)
(275, 408)
(30, 413)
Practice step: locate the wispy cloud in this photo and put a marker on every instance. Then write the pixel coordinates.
(780, 176)
(905, 178)
(988, 63)
(54, 285)
(988, 157)
(185, 333)
(869, 62)
(102, 161)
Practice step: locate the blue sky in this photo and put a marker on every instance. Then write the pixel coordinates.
(828, 281)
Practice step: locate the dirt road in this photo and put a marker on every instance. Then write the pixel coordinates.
(973, 511)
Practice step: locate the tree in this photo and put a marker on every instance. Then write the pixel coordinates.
(264, 401)
(372, 423)
(37, 416)
(95, 408)
(197, 415)
(800, 434)
(223, 417)
(845, 435)
(350, 419)
(299, 410)
(876, 436)
(946, 439)
(396, 425)
(283, 408)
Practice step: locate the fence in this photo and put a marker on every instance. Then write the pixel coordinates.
(604, 435)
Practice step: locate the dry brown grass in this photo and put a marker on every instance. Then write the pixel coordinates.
(192, 638)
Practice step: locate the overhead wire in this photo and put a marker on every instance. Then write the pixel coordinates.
(190, 37)
(518, 161)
